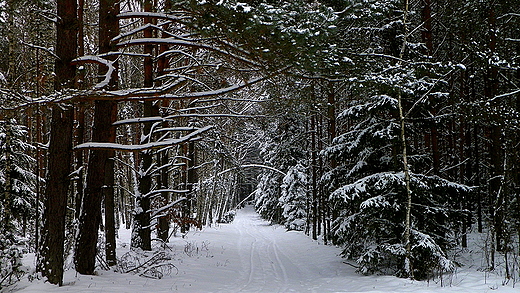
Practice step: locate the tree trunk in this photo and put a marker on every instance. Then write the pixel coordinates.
(100, 173)
(192, 179)
(141, 234)
(497, 171)
(331, 114)
(60, 146)
(408, 204)
(108, 29)
(314, 179)
(163, 225)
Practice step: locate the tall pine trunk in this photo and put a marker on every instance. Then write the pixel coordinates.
(60, 146)
(141, 233)
(163, 225)
(100, 173)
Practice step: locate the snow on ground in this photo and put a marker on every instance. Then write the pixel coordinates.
(249, 255)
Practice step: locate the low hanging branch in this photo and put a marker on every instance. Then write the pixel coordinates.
(98, 60)
(184, 43)
(252, 166)
(147, 146)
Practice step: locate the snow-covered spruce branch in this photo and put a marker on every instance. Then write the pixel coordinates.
(223, 115)
(158, 191)
(157, 15)
(186, 128)
(147, 146)
(144, 94)
(140, 29)
(50, 50)
(505, 95)
(141, 120)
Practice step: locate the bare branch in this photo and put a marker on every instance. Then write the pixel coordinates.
(98, 60)
(146, 146)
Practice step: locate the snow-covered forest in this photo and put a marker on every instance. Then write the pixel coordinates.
(386, 129)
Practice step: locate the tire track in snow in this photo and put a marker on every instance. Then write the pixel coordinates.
(271, 251)
(265, 265)
(241, 226)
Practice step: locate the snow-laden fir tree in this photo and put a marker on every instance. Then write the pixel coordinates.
(294, 198)
(367, 192)
(17, 198)
(283, 149)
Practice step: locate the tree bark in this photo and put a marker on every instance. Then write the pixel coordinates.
(163, 225)
(100, 173)
(109, 28)
(314, 207)
(408, 204)
(141, 233)
(60, 146)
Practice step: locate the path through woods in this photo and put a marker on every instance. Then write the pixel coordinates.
(249, 255)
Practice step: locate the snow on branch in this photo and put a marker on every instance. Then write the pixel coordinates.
(216, 115)
(142, 14)
(252, 166)
(185, 43)
(141, 147)
(98, 60)
(137, 30)
(157, 191)
(48, 50)
(144, 94)
(164, 208)
(141, 120)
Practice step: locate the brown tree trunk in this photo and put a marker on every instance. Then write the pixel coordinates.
(141, 234)
(191, 180)
(163, 225)
(496, 159)
(60, 146)
(109, 28)
(100, 173)
(331, 114)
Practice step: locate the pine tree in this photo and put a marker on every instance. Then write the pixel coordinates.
(369, 197)
(294, 198)
(17, 198)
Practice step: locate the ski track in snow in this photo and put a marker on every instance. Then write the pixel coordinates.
(249, 255)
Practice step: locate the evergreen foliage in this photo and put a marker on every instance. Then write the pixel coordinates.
(368, 193)
(282, 150)
(294, 197)
(17, 198)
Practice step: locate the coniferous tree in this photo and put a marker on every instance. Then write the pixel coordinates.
(17, 198)
(293, 198)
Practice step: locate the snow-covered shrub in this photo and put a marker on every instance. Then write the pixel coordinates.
(294, 197)
(10, 260)
(228, 217)
(372, 223)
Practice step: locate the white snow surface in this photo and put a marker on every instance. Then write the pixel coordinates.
(249, 255)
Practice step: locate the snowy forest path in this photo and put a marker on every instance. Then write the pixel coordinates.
(260, 257)
(250, 255)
